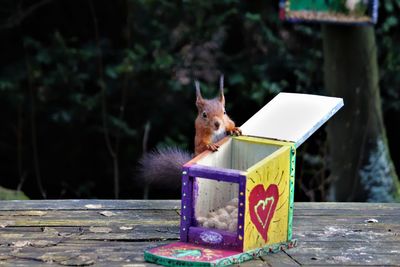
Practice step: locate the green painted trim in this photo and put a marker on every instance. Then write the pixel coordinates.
(236, 259)
(291, 190)
(318, 5)
(255, 253)
(149, 257)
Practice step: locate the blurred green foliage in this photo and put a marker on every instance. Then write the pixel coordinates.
(71, 91)
(7, 194)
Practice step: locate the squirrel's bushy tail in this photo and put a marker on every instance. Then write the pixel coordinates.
(162, 168)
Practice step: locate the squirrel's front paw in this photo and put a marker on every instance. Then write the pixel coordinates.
(213, 147)
(235, 131)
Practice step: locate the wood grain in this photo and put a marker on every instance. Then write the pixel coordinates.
(79, 233)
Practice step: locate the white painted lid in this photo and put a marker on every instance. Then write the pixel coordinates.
(292, 117)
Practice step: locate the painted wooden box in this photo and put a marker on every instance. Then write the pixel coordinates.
(330, 11)
(237, 203)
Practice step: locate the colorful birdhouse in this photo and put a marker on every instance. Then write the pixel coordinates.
(237, 203)
(330, 11)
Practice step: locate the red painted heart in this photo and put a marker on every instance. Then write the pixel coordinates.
(262, 205)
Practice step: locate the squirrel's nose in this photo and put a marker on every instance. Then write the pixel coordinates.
(217, 124)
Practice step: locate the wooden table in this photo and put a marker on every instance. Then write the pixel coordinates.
(115, 233)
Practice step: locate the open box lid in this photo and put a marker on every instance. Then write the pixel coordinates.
(292, 117)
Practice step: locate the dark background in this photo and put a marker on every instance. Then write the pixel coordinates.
(79, 80)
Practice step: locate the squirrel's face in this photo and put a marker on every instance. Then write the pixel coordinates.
(211, 113)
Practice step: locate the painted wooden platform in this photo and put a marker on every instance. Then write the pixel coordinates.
(115, 233)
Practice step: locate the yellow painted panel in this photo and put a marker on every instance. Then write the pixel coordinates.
(267, 200)
(258, 140)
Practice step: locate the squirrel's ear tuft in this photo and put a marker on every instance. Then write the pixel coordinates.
(221, 90)
(199, 98)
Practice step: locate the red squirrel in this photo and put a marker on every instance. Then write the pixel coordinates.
(163, 167)
(212, 123)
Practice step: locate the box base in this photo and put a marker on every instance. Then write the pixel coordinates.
(187, 254)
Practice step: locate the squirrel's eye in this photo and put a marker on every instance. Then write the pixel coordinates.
(224, 112)
(204, 114)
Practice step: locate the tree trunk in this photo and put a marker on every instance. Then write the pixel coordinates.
(361, 166)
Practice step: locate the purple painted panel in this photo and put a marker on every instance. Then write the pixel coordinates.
(210, 237)
(214, 238)
(186, 205)
(241, 210)
(195, 194)
(219, 174)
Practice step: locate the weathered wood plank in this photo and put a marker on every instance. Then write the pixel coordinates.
(73, 253)
(90, 214)
(277, 260)
(163, 232)
(280, 259)
(347, 232)
(327, 258)
(85, 204)
(157, 213)
(346, 212)
(8, 239)
(357, 206)
(95, 221)
(109, 253)
(325, 226)
(340, 246)
(344, 220)
(174, 214)
(82, 222)
(74, 221)
(80, 204)
(37, 232)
